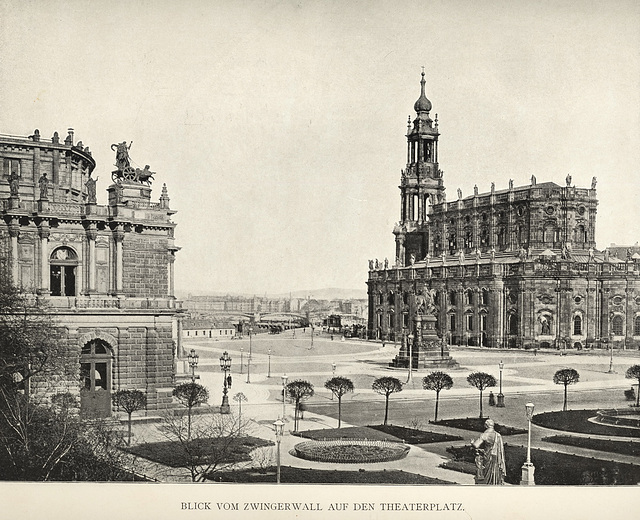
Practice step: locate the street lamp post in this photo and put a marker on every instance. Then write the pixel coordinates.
(269, 369)
(225, 366)
(249, 368)
(333, 371)
(611, 357)
(241, 359)
(527, 468)
(193, 363)
(500, 403)
(284, 384)
(278, 426)
(410, 377)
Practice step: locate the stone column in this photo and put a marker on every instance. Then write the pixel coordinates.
(172, 259)
(44, 232)
(118, 237)
(14, 232)
(91, 237)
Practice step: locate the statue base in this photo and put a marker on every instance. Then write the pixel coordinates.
(425, 349)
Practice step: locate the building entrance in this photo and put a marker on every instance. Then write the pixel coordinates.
(95, 372)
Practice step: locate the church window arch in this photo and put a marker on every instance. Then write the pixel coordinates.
(577, 325)
(391, 300)
(617, 325)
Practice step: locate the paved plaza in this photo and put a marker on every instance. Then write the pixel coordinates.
(526, 377)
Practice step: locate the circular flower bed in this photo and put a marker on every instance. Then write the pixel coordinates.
(350, 451)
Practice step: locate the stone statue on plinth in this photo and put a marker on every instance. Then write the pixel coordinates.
(490, 462)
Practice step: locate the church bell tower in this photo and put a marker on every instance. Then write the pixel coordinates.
(421, 184)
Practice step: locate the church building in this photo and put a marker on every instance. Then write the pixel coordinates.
(105, 271)
(510, 268)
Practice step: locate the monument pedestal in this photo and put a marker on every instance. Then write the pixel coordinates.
(427, 349)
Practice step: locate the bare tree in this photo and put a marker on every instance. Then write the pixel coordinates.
(566, 377)
(339, 386)
(130, 401)
(240, 398)
(481, 380)
(207, 446)
(386, 386)
(190, 395)
(633, 372)
(298, 390)
(437, 381)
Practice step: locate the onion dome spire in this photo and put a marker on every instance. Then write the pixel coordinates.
(423, 104)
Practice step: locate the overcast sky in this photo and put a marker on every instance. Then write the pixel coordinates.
(279, 127)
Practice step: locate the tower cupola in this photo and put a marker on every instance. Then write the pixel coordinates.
(423, 104)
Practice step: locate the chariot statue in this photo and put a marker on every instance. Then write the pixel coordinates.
(124, 169)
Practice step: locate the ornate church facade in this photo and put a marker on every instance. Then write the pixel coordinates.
(514, 268)
(104, 271)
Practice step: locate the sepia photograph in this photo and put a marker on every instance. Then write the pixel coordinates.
(320, 259)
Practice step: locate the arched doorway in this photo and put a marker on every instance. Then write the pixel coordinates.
(95, 375)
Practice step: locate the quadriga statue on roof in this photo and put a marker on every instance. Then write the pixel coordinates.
(122, 155)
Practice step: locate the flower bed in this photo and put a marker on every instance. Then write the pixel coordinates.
(350, 451)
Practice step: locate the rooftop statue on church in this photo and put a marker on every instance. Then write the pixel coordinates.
(124, 169)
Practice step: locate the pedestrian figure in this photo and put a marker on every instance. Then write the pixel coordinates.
(492, 399)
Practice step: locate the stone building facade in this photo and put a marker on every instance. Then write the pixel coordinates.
(105, 271)
(515, 267)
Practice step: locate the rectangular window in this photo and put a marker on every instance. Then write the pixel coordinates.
(483, 323)
(469, 322)
(452, 322)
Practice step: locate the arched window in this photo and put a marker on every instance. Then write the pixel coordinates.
(577, 325)
(391, 298)
(452, 243)
(452, 322)
(380, 298)
(485, 297)
(513, 324)
(581, 236)
(62, 271)
(636, 326)
(452, 297)
(469, 297)
(616, 325)
(501, 237)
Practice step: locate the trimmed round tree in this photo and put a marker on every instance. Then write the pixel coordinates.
(437, 381)
(481, 380)
(190, 395)
(298, 390)
(633, 372)
(386, 386)
(566, 377)
(130, 401)
(339, 386)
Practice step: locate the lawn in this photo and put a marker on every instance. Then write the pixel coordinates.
(173, 454)
(620, 447)
(552, 468)
(577, 421)
(475, 424)
(291, 475)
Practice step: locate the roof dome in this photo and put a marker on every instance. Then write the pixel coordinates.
(423, 104)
